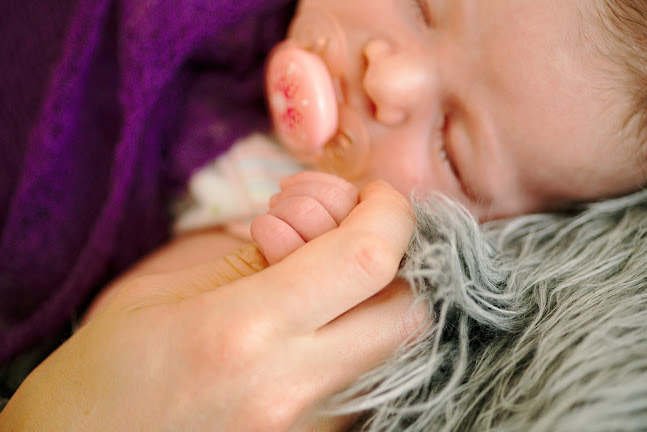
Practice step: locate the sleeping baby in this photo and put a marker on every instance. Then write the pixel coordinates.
(507, 107)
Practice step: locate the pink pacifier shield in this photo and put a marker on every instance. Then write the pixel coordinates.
(301, 99)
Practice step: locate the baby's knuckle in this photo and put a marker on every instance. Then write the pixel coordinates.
(301, 208)
(268, 228)
(334, 193)
(306, 205)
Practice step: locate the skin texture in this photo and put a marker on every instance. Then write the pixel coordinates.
(505, 105)
(171, 350)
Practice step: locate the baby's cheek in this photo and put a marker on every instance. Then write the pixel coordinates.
(403, 178)
(407, 181)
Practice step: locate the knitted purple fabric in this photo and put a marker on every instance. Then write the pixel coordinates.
(110, 105)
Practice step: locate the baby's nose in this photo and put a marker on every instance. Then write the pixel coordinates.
(396, 81)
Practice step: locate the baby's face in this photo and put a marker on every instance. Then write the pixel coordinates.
(496, 103)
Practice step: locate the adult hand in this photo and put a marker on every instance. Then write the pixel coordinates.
(171, 352)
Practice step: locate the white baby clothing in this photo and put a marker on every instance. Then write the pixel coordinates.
(234, 188)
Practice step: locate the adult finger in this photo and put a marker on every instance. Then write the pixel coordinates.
(317, 283)
(366, 336)
(176, 286)
(338, 199)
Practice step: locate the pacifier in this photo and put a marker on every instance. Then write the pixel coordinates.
(301, 99)
(347, 152)
(305, 100)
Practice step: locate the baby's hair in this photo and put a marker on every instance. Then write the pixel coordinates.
(626, 22)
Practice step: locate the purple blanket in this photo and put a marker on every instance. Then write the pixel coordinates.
(107, 106)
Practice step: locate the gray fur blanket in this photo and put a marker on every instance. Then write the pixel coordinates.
(540, 325)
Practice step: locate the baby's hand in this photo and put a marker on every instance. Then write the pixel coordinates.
(309, 205)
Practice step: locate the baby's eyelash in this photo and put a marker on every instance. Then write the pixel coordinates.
(445, 154)
(420, 6)
(442, 132)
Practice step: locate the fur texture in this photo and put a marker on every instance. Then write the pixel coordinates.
(540, 325)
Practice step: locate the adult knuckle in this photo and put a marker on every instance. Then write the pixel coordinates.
(372, 255)
(243, 339)
(281, 408)
(248, 334)
(277, 417)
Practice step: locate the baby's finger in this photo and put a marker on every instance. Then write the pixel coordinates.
(337, 200)
(307, 216)
(275, 238)
(315, 176)
(339, 270)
